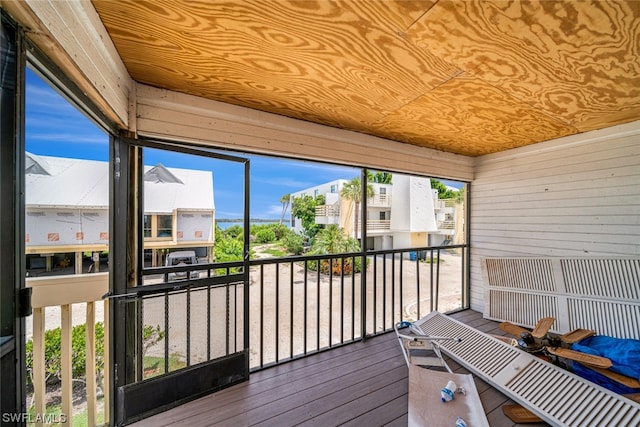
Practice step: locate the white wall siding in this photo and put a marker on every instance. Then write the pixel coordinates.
(57, 227)
(195, 226)
(575, 196)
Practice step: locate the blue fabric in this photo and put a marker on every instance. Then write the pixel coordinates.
(601, 380)
(623, 353)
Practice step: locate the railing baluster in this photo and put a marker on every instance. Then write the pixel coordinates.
(139, 341)
(226, 318)
(375, 295)
(188, 324)
(106, 378)
(437, 278)
(66, 363)
(418, 287)
(261, 315)
(209, 321)
(384, 292)
(331, 261)
(431, 281)
(39, 378)
(393, 289)
(306, 305)
(291, 310)
(353, 294)
(90, 363)
(235, 317)
(318, 305)
(342, 300)
(401, 308)
(166, 332)
(277, 296)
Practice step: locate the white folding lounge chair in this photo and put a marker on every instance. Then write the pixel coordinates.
(426, 407)
(552, 393)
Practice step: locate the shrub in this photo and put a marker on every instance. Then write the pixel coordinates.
(337, 266)
(280, 230)
(53, 358)
(233, 232)
(265, 235)
(293, 243)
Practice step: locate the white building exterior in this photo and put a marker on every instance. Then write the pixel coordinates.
(403, 214)
(67, 209)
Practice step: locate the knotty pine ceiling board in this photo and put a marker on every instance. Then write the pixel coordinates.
(474, 117)
(578, 61)
(337, 63)
(470, 77)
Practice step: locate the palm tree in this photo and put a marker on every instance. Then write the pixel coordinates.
(332, 240)
(352, 190)
(285, 200)
(379, 177)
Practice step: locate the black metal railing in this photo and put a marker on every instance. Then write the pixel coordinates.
(186, 322)
(298, 305)
(306, 304)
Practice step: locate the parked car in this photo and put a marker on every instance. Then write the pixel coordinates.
(180, 258)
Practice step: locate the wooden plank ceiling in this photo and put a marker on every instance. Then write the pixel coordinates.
(469, 77)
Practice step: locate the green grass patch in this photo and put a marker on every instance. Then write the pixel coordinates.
(275, 252)
(154, 366)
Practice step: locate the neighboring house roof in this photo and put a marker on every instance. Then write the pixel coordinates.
(71, 183)
(192, 190)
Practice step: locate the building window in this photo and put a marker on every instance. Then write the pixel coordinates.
(147, 226)
(158, 226)
(334, 188)
(165, 225)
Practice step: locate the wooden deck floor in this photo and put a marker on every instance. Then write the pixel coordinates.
(362, 384)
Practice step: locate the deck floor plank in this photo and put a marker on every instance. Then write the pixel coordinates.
(360, 384)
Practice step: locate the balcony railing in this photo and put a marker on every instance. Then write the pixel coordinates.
(327, 210)
(66, 295)
(444, 203)
(298, 306)
(306, 304)
(376, 225)
(446, 225)
(379, 200)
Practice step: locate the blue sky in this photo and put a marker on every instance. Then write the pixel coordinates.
(55, 128)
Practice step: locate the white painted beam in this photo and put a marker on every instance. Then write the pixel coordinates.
(71, 34)
(172, 115)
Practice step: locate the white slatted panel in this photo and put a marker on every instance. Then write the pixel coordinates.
(557, 396)
(611, 278)
(521, 308)
(575, 196)
(607, 318)
(529, 274)
(592, 293)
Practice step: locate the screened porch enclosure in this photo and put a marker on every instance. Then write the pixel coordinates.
(555, 169)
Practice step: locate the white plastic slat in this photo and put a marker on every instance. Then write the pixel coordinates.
(602, 294)
(556, 395)
(520, 307)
